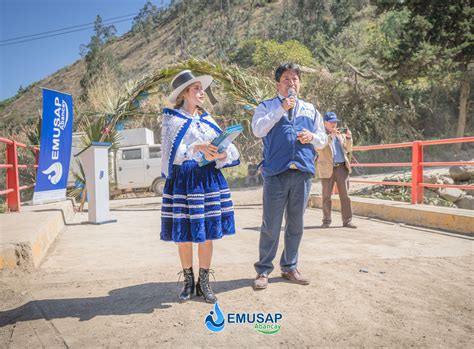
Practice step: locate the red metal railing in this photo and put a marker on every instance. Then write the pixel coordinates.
(13, 188)
(13, 183)
(417, 164)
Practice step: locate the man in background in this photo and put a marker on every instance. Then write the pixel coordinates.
(334, 167)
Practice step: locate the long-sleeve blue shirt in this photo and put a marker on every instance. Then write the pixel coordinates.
(338, 154)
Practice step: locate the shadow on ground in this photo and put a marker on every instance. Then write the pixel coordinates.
(137, 299)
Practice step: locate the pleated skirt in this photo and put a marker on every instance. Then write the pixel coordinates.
(197, 204)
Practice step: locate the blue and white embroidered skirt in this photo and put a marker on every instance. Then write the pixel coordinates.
(196, 204)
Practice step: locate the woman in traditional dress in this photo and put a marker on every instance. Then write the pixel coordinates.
(197, 207)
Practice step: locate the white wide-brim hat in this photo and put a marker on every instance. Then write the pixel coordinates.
(183, 80)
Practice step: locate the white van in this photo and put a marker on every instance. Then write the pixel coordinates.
(139, 166)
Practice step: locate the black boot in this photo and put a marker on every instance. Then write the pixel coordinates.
(188, 286)
(203, 288)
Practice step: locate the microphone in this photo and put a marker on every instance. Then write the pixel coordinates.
(291, 93)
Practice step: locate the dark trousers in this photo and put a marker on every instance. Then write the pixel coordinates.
(340, 175)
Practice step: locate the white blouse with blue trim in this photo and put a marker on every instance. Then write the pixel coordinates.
(198, 133)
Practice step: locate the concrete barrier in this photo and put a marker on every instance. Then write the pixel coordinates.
(27, 235)
(450, 219)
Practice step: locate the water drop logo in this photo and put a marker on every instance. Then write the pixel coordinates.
(54, 172)
(216, 325)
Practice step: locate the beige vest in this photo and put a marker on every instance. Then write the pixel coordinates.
(324, 163)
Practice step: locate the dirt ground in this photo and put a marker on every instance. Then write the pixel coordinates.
(115, 285)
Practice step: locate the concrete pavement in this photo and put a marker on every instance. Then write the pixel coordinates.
(114, 285)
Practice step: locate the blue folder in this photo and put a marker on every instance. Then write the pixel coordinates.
(223, 140)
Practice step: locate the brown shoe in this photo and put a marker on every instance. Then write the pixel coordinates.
(295, 276)
(260, 282)
(325, 225)
(350, 225)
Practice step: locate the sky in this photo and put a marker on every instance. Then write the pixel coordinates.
(24, 63)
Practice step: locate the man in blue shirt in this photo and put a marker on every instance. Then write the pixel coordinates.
(291, 130)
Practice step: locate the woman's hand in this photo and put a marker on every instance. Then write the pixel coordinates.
(221, 156)
(209, 150)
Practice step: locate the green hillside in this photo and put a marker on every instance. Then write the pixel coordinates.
(392, 71)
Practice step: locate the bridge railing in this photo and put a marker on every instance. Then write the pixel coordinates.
(417, 164)
(13, 187)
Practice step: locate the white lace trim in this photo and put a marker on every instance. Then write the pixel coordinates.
(172, 125)
(169, 132)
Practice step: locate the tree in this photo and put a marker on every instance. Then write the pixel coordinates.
(144, 22)
(266, 55)
(96, 57)
(343, 12)
(436, 40)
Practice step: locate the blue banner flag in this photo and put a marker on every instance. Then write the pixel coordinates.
(55, 147)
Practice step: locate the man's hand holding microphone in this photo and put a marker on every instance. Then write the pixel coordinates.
(289, 102)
